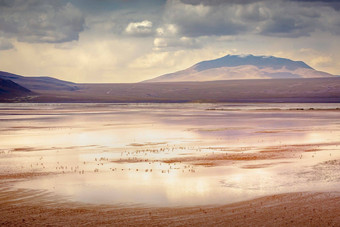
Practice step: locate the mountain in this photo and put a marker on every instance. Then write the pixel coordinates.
(234, 67)
(50, 90)
(10, 90)
(39, 83)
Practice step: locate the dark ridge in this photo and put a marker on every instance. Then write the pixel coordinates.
(10, 90)
(40, 83)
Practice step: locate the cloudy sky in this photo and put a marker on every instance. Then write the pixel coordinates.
(134, 40)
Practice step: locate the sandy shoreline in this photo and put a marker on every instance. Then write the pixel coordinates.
(292, 209)
(24, 207)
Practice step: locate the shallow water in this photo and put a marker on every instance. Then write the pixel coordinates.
(163, 154)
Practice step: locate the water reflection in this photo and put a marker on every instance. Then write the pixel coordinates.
(171, 154)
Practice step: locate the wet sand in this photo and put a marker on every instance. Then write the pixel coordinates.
(293, 209)
(122, 165)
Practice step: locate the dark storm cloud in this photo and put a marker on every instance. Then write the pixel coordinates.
(218, 2)
(292, 21)
(52, 21)
(40, 20)
(215, 26)
(199, 20)
(286, 27)
(96, 6)
(331, 3)
(281, 18)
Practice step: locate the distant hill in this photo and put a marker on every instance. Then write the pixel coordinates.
(10, 90)
(39, 83)
(49, 90)
(235, 67)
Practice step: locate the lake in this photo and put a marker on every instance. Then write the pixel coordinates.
(169, 154)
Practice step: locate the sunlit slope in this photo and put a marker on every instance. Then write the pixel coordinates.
(235, 67)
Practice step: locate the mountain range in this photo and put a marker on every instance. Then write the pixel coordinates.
(39, 83)
(232, 78)
(235, 67)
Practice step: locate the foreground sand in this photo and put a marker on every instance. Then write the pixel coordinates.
(33, 208)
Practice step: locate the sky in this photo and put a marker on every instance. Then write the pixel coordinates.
(123, 41)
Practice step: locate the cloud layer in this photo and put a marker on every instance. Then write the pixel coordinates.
(52, 21)
(40, 21)
(196, 18)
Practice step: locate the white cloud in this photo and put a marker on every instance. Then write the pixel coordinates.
(143, 28)
(167, 30)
